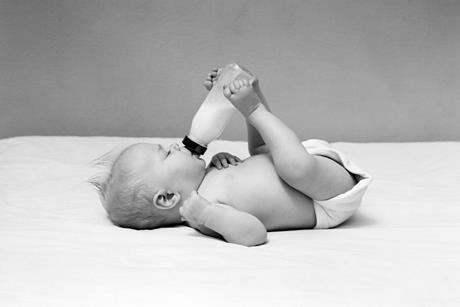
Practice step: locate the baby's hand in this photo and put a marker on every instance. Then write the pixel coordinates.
(222, 159)
(194, 209)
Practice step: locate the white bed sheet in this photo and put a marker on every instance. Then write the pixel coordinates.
(58, 249)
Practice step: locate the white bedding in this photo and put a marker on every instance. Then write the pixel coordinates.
(57, 248)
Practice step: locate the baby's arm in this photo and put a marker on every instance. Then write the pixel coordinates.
(233, 225)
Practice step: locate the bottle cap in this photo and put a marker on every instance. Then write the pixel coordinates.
(193, 146)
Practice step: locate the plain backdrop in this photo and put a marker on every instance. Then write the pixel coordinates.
(357, 71)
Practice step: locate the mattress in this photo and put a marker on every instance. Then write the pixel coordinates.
(57, 248)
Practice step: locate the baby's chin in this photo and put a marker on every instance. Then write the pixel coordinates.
(201, 161)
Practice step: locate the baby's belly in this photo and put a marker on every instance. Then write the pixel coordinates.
(255, 187)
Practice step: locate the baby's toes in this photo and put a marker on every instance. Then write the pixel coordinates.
(217, 72)
(232, 88)
(214, 74)
(235, 86)
(211, 78)
(227, 92)
(208, 84)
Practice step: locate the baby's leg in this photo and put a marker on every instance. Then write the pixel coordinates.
(214, 74)
(256, 143)
(318, 177)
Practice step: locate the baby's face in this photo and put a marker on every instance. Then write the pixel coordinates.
(173, 167)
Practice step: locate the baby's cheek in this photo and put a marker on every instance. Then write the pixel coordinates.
(192, 169)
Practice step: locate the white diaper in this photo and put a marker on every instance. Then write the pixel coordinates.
(336, 210)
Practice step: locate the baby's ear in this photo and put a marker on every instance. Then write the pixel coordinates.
(164, 199)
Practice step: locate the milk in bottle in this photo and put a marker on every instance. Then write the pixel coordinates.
(214, 113)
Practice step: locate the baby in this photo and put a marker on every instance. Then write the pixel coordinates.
(284, 184)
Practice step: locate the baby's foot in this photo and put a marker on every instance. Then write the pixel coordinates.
(243, 96)
(256, 86)
(212, 77)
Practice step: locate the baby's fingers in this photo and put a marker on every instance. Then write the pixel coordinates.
(224, 162)
(220, 160)
(232, 160)
(216, 163)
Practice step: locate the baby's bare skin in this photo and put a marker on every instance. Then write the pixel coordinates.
(271, 190)
(254, 186)
(236, 200)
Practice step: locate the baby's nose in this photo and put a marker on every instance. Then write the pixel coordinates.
(175, 146)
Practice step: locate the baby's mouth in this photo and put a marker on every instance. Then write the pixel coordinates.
(197, 157)
(185, 149)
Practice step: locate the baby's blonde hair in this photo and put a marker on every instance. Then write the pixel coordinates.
(126, 198)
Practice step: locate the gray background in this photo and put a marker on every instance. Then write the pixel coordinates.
(367, 70)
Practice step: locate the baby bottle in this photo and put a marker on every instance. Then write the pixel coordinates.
(214, 113)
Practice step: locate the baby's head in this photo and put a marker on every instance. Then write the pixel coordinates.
(144, 186)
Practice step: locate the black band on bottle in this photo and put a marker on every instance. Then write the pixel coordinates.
(193, 147)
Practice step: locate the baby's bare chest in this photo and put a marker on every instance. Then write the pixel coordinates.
(255, 187)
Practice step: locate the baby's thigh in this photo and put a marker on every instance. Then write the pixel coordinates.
(325, 179)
